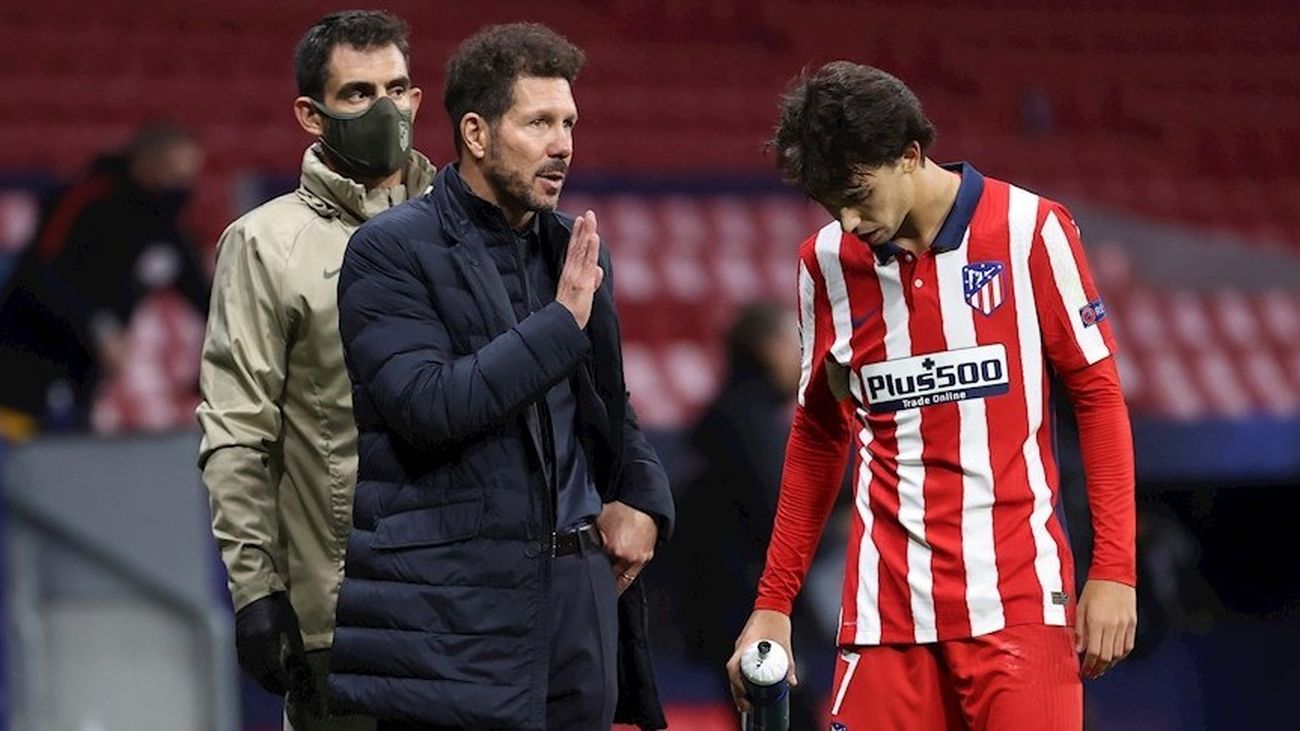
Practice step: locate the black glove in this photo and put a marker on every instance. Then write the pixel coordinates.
(269, 643)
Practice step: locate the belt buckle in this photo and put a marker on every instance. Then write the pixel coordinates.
(555, 543)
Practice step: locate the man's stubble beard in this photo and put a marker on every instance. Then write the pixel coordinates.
(512, 188)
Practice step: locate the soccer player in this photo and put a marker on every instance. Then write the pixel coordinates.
(931, 311)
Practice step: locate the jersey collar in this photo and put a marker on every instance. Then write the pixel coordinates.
(954, 225)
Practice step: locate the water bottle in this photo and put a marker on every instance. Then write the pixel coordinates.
(764, 666)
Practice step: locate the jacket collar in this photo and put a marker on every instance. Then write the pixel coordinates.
(469, 224)
(459, 211)
(331, 194)
(472, 224)
(467, 213)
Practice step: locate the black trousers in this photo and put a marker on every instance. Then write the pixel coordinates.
(583, 611)
(583, 688)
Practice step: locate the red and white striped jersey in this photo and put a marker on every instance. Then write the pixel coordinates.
(934, 368)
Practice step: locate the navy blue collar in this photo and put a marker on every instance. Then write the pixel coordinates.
(954, 225)
(482, 211)
(532, 231)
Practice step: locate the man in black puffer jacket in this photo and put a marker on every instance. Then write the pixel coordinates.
(506, 499)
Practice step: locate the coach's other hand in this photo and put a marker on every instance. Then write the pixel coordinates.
(268, 641)
(763, 624)
(629, 536)
(581, 275)
(1106, 625)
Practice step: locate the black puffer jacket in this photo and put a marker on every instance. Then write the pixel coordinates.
(441, 616)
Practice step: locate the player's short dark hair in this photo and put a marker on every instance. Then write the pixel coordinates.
(481, 75)
(842, 118)
(361, 29)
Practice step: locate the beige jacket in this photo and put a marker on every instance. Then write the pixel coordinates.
(279, 450)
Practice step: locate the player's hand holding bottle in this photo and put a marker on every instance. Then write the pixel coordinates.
(763, 624)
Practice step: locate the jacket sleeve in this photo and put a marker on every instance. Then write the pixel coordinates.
(644, 483)
(91, 316)
(399, 349)
(241, 379)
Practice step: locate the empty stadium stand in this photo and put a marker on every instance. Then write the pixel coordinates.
(1192, 116)
(1185, 117)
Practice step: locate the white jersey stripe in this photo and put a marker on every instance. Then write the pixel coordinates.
(1022, 215)
(1065, 271)
(807, 327)
(868, 595)
(911, 470)
(983, 600)
(828, 258)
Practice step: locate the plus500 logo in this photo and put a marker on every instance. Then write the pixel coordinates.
(934, 378)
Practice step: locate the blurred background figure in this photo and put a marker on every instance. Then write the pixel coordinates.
(110, 252)
(726, 510)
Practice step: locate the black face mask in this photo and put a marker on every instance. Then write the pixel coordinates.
(374, 143)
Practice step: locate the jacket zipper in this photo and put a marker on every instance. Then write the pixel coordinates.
(548, 453)
(543, 414)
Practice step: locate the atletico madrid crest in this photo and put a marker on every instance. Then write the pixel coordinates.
(983, 283)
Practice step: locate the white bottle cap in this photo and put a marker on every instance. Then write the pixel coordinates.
(764, 663)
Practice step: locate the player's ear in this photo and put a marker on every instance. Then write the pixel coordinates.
(912, 157)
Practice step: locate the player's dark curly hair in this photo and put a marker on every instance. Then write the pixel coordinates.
(481, 75)
(840, 119)
(361, 29)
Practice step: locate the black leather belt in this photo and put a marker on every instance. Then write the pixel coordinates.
(579, 540)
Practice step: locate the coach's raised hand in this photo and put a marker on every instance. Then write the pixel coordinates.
(582, 275)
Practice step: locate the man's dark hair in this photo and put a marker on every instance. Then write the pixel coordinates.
(481, 75)
(841, 119)
(361, 29)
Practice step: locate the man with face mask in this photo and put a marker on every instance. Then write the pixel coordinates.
(279, 449)
(506, 498)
